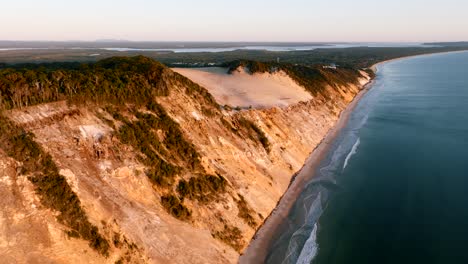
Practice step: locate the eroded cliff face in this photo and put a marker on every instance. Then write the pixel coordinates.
(253, 153)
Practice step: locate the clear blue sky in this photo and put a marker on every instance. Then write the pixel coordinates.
(235, 20)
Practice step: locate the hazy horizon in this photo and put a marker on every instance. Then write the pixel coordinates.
(240, 21)
(223, 42)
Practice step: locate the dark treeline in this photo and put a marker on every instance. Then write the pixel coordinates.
(113, 80)
(118, 80)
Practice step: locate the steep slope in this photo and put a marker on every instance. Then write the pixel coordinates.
(159, 172)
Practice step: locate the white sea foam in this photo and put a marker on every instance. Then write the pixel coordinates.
(310, 248)
(352, 152)
(303, 239)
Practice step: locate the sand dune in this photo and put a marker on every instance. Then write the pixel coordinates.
(244, 90)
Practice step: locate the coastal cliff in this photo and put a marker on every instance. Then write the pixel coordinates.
(159, 170)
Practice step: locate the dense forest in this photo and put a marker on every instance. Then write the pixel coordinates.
(131, 80)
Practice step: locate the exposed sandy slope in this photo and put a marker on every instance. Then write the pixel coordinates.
(114, 191)
(118, 197)
(243, 89)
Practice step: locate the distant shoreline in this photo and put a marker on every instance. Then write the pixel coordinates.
(374, 67)
(257, 250)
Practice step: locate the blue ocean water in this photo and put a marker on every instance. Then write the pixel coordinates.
(394, 186)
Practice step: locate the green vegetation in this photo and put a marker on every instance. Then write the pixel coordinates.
(243, 127)
(139, 135)
(52, 188)
(164, 153)
(245, 212)
(315, 78)
(231, 236)
(203, 188)
(175, 207)
(118, 80)
(167, 155)
(252, 66)
(115, 80)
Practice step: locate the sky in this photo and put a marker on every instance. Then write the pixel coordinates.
(235, 20)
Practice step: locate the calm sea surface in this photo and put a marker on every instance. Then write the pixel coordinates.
(394, 187)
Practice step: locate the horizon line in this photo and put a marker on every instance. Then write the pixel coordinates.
(228, 41)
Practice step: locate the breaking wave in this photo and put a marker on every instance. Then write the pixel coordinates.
(310, 248)
(352, 152)
(302, 245)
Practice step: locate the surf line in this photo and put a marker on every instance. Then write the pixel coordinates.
(352, 152)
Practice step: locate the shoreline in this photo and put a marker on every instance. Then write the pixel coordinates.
(258, 247)
(257, 250)
(374, 67)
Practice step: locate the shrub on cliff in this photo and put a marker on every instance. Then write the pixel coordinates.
(245, 212)
(255, 133)
(231, 236)
(203, 188)
(175, 207)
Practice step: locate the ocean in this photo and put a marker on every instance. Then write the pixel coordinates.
(393, 187)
